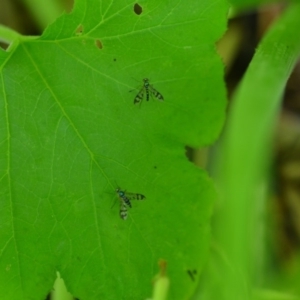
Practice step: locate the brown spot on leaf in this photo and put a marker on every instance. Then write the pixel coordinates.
(79, 30)
(98, 44)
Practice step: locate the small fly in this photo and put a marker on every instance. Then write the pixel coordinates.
(147, 89)
(125, 201)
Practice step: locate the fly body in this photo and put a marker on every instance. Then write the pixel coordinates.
(123, 197)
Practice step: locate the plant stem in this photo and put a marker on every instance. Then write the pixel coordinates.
(8, 35)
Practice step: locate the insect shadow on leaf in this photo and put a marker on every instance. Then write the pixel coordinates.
(192, 274)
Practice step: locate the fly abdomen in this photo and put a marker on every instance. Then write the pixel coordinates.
(146, 86)
(127, 201)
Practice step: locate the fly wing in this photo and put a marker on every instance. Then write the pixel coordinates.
(139, 97)
(156, 94)
(135, 196)
(123, 210)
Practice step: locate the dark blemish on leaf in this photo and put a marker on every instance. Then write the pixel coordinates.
(189, 153)
(115, 59)
(99, 44)
(192, 274)
(155, 167)
(79, 30)
(48, 297)
(137, 9)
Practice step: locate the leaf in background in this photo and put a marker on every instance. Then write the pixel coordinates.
(250, 4)
(245, 162)
(70, 135)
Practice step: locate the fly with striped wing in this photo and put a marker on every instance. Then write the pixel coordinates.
(147, 90)
(125, 198)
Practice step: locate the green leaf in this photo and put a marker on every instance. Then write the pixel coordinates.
(70, 135)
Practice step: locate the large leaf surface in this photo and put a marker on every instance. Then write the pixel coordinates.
(70, 135)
